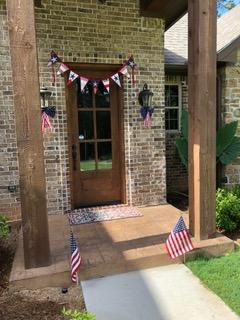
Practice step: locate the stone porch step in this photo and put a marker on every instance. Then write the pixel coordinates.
(109, 247)
(151, 257)
(135, 259)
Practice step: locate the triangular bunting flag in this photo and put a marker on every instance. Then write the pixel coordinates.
(84, 81)
(63, 68)
(116, 79)
(54, 59)
(125, 72)
(72, 76)
(95, 86)
(106, 84)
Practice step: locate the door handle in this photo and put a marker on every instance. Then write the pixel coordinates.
(74, 156)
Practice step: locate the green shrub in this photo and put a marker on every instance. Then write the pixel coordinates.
(228, 209)
(4, 228)
(236, 191)
(78, 315)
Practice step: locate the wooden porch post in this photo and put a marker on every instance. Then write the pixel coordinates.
(24, 61)
(202, 117)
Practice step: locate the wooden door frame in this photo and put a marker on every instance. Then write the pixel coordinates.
(91, 67)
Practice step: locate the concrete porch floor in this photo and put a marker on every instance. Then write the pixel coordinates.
(109, 247)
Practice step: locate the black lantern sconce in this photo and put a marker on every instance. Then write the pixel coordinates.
(45, 94)
(145, 100)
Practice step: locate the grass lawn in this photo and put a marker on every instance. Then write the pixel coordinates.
(89, 165)
(222, 276)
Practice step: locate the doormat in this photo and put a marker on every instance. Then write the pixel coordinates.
(87, 215)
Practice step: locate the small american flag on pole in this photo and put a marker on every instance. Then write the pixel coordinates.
(179, 242)
(75, 258)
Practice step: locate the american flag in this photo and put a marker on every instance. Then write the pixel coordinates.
(75, 258)
(179, 242)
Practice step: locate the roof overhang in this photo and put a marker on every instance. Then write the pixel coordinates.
(176, 69)
(182, 69)
(230, 51)
(169, 10)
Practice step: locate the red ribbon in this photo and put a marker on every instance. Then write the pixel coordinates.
(133, 76)
(53, 75)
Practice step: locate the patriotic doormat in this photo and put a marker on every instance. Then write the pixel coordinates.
(94, 214)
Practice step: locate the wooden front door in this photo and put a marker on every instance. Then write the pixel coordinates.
(95, 140)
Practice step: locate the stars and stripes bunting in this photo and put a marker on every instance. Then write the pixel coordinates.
(75, 258)
(95, 86)
(133, 66)
(83, 81)
(179, 242)
(106, 84)
(116, 79)
(53, 59)
(62, 68)
(125, 72)
(72, 76)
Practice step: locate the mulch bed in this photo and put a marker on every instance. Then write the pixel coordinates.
(39, 304)
(235, 236)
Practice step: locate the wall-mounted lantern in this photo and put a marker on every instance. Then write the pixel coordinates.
(145, 100)
(45, 94)
(47, 110)
(145, 97)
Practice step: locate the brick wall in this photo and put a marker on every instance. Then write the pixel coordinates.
(230, 105)
(9, 201)
(88, 32)
(176, 173)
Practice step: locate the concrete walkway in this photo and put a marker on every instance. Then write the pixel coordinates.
(163, 293)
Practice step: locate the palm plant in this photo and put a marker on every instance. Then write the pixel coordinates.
(227, 143)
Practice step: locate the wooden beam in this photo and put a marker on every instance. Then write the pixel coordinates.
(202, 116)
(24, 62)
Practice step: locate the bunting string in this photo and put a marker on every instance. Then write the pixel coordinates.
(124, 69)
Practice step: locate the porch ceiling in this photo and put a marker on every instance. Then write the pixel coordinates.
(169, 10)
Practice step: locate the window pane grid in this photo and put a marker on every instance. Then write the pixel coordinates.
(94, 120)
(172, 107)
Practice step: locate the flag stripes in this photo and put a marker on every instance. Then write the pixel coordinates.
(179, 242)
(75, 258)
